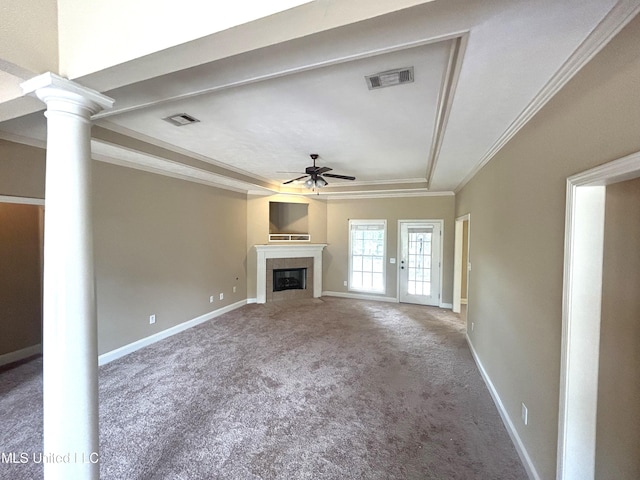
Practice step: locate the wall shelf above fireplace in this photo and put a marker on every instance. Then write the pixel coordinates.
(289, 237)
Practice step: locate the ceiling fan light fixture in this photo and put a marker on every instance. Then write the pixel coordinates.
(309, 183)
(320, 182)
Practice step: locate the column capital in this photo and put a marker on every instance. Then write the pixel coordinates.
(51, 86)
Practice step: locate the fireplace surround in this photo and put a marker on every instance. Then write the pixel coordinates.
(291, 256)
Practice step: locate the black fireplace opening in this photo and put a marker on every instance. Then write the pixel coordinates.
(289, 279)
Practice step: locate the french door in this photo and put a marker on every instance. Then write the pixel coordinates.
(420, 263)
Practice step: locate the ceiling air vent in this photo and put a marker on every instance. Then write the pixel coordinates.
(390, 78)
(181, 119)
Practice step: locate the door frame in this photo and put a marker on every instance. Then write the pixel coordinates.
(440, 222)
(581, 314)
(457, 260)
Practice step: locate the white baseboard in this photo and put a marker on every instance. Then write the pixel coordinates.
(143, 342)
(511, 429)
(360, 296)
(21, 354)
(463, 301)
(447, 305)
(252, 300)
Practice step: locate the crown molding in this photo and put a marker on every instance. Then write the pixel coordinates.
(30, 141)
(387, 194)
(617, 18)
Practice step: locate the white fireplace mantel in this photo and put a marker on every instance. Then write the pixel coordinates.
(288, 251)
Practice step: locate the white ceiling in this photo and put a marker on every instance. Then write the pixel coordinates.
(482, 69)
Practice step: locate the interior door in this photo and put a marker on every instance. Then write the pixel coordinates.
(420, 262)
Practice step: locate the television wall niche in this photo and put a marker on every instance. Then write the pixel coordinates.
(288, 217)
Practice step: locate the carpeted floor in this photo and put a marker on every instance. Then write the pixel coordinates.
(317, 389)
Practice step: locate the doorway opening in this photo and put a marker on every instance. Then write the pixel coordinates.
(582, 314)
(21, 258)
(461, 265)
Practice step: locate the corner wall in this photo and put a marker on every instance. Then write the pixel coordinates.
(258, 227)
(162, 246)
(517, 206)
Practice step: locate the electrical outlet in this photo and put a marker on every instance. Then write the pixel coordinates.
(152, 319)
(472, 325)
(222, 296)
(345, 283)
(525, 414)
(211, 299)
(234, 289)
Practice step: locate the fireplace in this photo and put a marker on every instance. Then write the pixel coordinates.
(288, 257)
(289, 279)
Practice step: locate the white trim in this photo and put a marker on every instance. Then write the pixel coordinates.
(21, 200)
(463, 301)
(619, 16)
(252, 300)
(42, 83)
(445, 101)
(457, 265)
(457, 261)
(620, 170)
(581, 297)
(385, 194)
(513, 433)
(22, 140)
(360, 296)
(156, 337)
(448, 306)
(21, 354)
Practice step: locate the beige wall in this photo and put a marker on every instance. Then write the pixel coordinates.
(336, 255)
(258, 227)
(21, 170)
(20, 277)
(162, 246)
(517, 206)
(618, 421)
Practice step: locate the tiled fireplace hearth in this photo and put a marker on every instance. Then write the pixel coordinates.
(278, 257)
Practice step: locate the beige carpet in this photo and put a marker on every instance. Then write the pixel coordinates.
(315, 389)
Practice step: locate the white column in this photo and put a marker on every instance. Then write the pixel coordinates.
(70, 378)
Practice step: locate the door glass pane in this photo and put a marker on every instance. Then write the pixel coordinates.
(419, 261)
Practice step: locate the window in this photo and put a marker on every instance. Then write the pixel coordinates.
(367, 240)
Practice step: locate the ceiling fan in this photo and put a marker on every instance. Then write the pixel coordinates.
(316, 175)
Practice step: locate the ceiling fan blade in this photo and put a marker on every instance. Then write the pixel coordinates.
(294, 179)
(317, 170)
(343, 177)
